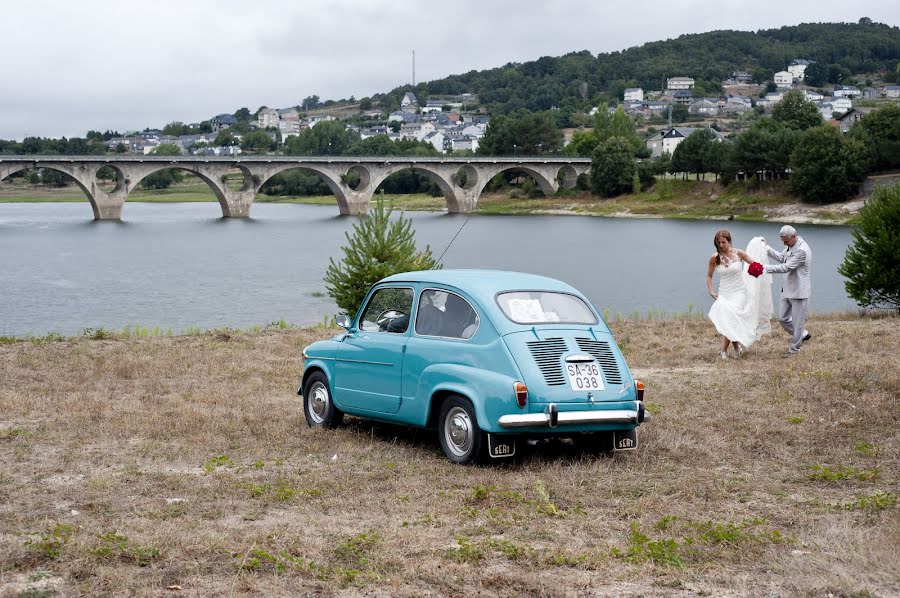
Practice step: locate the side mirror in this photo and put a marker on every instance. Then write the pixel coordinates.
(343, 321)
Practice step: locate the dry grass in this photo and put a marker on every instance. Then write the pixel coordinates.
(131, 466)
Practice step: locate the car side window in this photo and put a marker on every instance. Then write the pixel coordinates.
(388, 311)
(445, 314)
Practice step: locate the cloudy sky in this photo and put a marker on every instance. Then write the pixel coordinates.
(71, 66)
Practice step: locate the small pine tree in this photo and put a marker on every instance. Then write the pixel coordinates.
(872, 264)
(378, 247)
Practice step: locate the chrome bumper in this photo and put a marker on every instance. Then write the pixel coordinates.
(552, 417)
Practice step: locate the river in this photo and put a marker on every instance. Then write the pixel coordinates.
(182, 265)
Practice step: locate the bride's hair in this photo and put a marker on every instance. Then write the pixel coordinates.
(721, 233)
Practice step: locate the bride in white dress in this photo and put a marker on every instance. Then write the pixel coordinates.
(743, 304)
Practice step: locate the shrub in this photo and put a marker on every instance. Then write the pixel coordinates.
(379, 246)
(872, 263)
(612, 167)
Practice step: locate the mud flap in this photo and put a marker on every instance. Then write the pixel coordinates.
(626, 440)
(501, 446)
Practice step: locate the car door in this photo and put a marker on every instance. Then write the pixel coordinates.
(369, 362)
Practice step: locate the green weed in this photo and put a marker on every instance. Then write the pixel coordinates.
(357, 550)
(641, 548)
(867, 449)
(466, 551)
(875, 502)
(50, 543)
(842, 473)
(217, 462)
(13, 433)
(795, 419)
(116, 546)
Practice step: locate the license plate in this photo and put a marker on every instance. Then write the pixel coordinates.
(626, 440)
(584, 376)
(500, 447)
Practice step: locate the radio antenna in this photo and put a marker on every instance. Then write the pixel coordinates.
(438, 262)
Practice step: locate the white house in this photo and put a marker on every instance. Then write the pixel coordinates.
(797, 68)
(464, 142)
(891, 91)
(436, 139)
(835, 106)
(813, 96)
(319, 118)
(634, 94)
(846, 91)
(704, 107)
(268, 117)
(674, 83)
(674, 136)
(784, 79)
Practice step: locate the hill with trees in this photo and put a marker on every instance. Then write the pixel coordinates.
(579, 80)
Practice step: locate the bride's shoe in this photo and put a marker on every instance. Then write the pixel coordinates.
(723, 355)
(742, 350)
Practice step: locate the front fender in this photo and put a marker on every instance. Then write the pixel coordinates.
(313, 364)
(491, 394)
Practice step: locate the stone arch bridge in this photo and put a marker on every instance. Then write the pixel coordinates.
(462, 180)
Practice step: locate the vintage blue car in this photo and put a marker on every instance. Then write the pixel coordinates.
(488, 358)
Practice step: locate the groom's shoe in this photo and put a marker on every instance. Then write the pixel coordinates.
(807, 336)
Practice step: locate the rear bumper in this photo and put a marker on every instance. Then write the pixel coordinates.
(552, 417)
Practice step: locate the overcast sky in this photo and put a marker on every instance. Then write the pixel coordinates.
(71, 66)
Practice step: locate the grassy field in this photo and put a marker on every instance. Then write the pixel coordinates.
(670, 198)
(129, 466)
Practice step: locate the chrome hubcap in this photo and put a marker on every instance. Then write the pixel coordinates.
(458, 431)
(318, 402)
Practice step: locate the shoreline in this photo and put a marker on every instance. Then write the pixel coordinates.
(843, 214)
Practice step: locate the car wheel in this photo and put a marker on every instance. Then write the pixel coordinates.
(318, 407)
(461, 439)
(595, 443)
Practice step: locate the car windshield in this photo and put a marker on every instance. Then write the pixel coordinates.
(545, 307)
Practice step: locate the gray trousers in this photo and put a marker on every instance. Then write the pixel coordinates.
(792, 315)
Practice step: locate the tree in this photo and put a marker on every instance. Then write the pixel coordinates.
(523, 134)
(825, 169)
(379, 246)
(796, 112)
(164, 178)
(872, 263)
(815, 75)
(225, 138)
(326, 138)
(691, 155)
(243, 115)
(612, 167)
(880, 130)
(256, 141)
(679, 113)
(175, 129)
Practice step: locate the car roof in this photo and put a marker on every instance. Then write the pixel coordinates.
(484, 284)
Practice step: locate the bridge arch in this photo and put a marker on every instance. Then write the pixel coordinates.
(548, 186)
(218, 187)
(335, 184)
(444, 179)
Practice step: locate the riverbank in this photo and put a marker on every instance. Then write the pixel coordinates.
(670, 198)
(137, 465)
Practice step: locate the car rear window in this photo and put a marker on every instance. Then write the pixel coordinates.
(545, 307)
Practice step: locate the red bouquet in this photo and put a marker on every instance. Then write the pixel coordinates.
(755, 269)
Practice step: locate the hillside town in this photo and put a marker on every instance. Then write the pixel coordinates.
(455, 124)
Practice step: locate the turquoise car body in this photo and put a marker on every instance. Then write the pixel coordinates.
(402, 378)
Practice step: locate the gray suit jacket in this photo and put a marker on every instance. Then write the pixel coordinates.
(794, 262)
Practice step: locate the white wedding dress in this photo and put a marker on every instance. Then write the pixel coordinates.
(743, 310)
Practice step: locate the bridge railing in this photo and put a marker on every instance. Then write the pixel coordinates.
(94, 159)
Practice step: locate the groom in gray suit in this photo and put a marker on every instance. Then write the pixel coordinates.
(795, 262)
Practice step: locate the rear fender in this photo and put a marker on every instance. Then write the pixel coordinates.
(491, 393)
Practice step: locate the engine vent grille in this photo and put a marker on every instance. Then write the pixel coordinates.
(602, 352)
(548, 355)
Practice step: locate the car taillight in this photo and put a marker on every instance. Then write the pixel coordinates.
(521, 393)
(640, 389)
